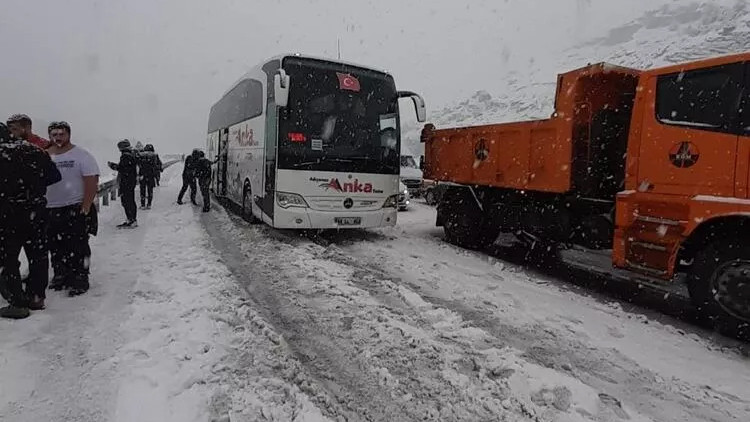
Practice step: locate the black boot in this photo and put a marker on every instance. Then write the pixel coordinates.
(15, 312)
(59, 282)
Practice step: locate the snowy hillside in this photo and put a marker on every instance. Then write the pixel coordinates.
(671, 34)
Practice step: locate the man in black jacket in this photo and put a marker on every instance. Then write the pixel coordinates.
(149, 167)
(188, 176)
(25, 173)
(127, 173)
(203, 174)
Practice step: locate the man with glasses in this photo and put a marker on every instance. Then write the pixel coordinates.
(70, 206)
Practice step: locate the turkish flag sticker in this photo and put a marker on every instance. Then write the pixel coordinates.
(348, 82)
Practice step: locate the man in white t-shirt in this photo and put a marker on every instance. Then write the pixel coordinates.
(70, 205)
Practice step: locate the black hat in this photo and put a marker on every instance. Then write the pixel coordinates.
(148, 147)
(123, 145)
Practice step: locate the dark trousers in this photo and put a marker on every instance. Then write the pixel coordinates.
(204, 184)
(187, 181)
(147, 190)
(23, 228)
(69, 246)
(127, 194)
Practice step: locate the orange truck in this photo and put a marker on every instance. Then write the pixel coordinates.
(653, 165)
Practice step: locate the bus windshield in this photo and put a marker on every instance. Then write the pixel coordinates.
(339, 118)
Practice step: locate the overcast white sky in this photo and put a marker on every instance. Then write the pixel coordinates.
(152, 68)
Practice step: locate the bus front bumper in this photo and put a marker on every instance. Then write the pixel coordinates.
(305, 218)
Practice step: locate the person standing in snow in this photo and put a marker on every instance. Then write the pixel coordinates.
(71, 211)
(20, 126)
(188, 177)
(148, 167)
(127, 173)
(25, 173)
(159, 165)
(203, 174)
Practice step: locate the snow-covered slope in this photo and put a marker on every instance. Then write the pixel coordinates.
(671, 34)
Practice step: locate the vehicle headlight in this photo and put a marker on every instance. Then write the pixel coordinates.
(391, 202)
(286, 200)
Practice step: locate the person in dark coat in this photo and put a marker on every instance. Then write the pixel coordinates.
(127, 173)
(25, 172)
(188, 177)
(159, 164)
(203, 174)
(149, 167)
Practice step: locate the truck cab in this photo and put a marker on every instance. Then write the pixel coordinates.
(654, 165)
(411, 174)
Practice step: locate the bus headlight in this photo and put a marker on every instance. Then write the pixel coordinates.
(286, 200)
(391, 202)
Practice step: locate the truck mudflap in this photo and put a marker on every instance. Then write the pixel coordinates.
(600, 262)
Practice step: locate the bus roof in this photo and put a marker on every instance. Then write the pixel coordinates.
(255, 69)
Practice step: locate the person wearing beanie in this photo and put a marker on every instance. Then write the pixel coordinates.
(203, 174)
(149, 166)
(188, 177)
(127, 173)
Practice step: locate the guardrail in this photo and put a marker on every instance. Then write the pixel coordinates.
(108, 190)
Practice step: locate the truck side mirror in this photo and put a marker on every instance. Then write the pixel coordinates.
(281, 88)
(419, 104)
(421, 162)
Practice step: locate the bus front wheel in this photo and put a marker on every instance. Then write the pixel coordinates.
(247, 206)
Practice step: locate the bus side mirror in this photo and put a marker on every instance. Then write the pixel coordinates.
(281, 88)
(419, 104)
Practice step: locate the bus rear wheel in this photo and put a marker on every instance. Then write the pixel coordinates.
(247, 206)
(719, 286)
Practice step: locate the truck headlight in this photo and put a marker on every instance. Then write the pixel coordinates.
(391, 202)
(286, 200)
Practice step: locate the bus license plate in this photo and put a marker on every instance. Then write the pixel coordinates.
(348, 221)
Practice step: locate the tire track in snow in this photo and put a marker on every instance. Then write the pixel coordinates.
(371, 356)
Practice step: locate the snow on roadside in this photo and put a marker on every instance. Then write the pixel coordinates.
(165, 334)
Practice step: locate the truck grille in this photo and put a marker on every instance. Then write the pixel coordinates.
(412, 183)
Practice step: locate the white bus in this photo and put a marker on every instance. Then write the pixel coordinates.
(307, 143)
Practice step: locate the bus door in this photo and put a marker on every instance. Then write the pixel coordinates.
(271, 137)
(221, 163)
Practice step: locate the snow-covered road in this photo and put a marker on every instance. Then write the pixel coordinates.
(203, 317)
(397, 325)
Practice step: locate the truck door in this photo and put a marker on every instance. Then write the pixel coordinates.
(221, 163)
(688, 146)
(689, 134)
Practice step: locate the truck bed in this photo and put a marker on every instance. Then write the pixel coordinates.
(552, 155)
(526, 155)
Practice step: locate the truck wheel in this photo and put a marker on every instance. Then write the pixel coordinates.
(247, 206)
(719, 286)
(464, 222)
